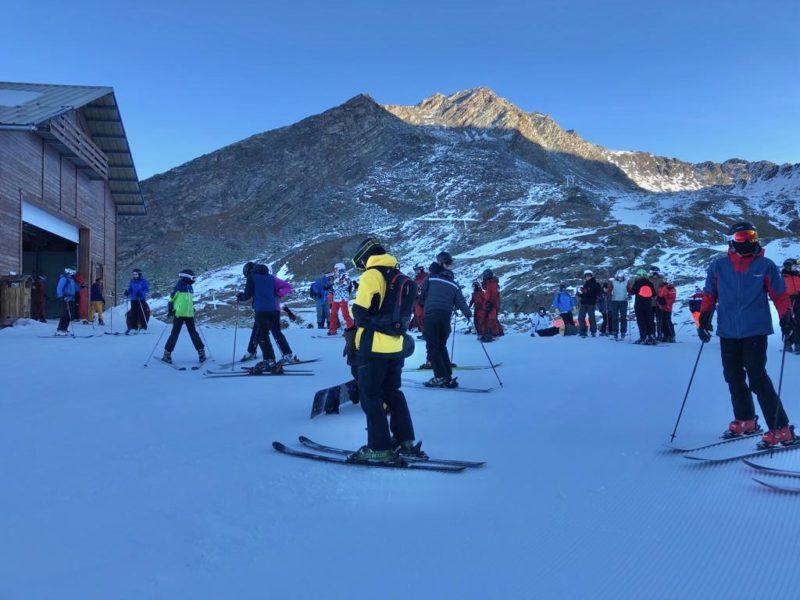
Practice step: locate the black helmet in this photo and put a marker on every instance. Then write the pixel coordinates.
(655, 269)
(445, 259)
(743, 238)
(419, 267)
(487, 274)
(248, 266)
(542, 311)
(369, 247)
(790, 264)
(187, 274)
(137, 272)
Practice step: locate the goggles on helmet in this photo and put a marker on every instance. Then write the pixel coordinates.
(747, 235)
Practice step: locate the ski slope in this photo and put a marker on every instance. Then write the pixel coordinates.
(120, 481)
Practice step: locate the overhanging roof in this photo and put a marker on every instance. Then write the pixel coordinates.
(38, 107)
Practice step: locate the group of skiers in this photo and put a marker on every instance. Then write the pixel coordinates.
(331, 293)
(653, 295)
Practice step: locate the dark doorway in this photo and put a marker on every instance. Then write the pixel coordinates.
(44, 253)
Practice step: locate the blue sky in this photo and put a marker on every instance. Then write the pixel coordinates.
(698, 80)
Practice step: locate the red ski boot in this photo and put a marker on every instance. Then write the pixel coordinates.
(784, 435)
(740, 428)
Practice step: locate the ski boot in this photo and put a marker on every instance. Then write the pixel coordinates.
(201, 355)
(248, 356)
(640, 341)
(101, 323)
(486, 338)
(167, 358)
(61, 333)
(426, 365)
(436, 382)
(740, 428)
(784, 436)
(797, 348)
(451, 382)
(409, 448)
(365, 454)
(266, 366)
(289, 359)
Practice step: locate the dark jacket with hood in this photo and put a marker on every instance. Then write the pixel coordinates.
(440, 292)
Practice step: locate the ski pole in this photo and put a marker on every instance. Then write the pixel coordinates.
(71, 326)
(672, 437)
(158, 341)
(202, 335)
(144, 317)
(491, 363)
(235, 331)
(453, 343)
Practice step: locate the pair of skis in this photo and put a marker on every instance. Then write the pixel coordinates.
(244, 371)
(463, 368)
(730, 450)
(330, 454)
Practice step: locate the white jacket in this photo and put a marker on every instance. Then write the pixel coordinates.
(620, 291)
(539, 322)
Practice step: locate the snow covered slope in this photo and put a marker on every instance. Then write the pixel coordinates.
(125, 482)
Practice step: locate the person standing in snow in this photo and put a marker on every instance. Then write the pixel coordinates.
(587, 295)
(266, 292)
(491, 305)
(342, 289)
(791, 279)
(604, 308)
(477, 302)
(619, 306)
(139, 312)
(657, 279)
(181, 309)
(563, 302)
(440, 296)
(66, 291)
(418, 320)
(666, 299)
(39, 299)
(541, 325)
(695, 302)
(378, 342)
(97, 301)
(319, 292)
(643, 293)
(738, 286)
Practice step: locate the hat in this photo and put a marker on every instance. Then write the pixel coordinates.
(187, 274)
(369, 247)
(588, 272)
(70, 270)
(444, 258)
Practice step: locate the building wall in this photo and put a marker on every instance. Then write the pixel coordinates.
(32, 170)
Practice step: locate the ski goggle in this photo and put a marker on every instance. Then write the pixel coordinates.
(747, 235)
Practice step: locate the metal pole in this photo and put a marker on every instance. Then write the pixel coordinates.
(453, 343)
(235, 331)
(156, 345)
(202, 335)
(490, 362)
(672, 437)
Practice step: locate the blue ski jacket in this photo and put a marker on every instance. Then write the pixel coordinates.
(563, 302)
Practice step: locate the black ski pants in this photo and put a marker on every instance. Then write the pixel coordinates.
(795, 338)
(177, 325)
(748, 356)
(586, 309)
(437, 331)
(267, 323)
(547, 332)
(567, 318)
(667, 328)
(379, 384)
(68, 315)
(619, 317)
(138, 316)
(644, 318)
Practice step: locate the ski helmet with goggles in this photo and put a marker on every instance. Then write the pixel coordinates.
(655, 269)
(487, 274)
(790, 264)
(187, 274)
(445, 259)
(339, 266)
(70, 270)
(619, 276)
(641, 272)
(542, 311)
(743, 238)
(419, 267)
(369, 247)
(588, 272)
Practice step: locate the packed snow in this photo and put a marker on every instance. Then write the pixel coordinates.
(124, 481)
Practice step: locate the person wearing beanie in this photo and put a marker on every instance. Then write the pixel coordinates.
(378, 343)
(563, 302)
(138, 314)
(181, 309)
(67, 290)
(97, 301)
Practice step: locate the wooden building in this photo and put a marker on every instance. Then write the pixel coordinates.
(66, 173)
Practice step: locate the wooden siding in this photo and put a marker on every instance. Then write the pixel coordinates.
(32, 169)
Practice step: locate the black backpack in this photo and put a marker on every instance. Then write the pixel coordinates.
(394, 313)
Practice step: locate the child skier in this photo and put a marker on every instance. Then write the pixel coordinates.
(342, 289)
(666, 299)
(181, 308)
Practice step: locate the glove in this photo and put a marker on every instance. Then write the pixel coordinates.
(705, 329)
(488, 306)
(787, 326)
(170, 310)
